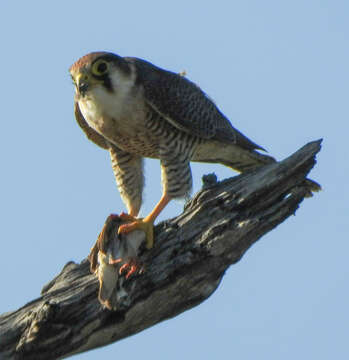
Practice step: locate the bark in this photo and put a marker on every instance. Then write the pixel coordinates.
(186, 265)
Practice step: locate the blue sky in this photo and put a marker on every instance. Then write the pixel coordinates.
(277, 69)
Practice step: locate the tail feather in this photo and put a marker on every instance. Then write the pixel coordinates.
(240, 159)
(231, 155)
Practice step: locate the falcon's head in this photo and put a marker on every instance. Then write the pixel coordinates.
(100, 72)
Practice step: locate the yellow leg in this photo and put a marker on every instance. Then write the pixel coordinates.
(165, 199)
(146, 224)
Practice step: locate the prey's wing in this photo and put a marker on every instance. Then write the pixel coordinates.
(183, 104)
(90, 133)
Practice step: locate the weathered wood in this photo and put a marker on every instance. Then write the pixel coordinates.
(190, 256)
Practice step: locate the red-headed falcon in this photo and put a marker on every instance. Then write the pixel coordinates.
(135, 109)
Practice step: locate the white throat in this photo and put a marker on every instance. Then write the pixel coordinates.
(100, 104)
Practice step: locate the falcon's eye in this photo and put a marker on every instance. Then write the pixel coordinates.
(100, 67)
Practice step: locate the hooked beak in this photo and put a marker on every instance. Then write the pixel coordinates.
(82, 83)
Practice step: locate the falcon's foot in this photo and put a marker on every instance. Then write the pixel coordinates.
(142, 224)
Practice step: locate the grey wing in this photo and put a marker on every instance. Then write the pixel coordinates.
(90, 133)
(185, 105)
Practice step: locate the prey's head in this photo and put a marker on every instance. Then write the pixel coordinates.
(99, 70)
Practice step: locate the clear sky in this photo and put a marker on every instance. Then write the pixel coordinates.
(277, 69)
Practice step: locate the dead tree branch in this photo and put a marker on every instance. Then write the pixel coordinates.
(190, 256)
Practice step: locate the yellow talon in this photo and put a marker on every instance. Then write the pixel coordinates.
(146, 224)
(140, 224)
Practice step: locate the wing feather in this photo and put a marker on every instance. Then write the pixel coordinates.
(183, 104)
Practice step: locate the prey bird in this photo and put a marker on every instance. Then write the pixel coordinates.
(135, 109)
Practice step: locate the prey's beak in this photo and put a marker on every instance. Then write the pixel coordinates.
(82, 83)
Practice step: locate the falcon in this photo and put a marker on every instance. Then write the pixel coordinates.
(135, 109)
